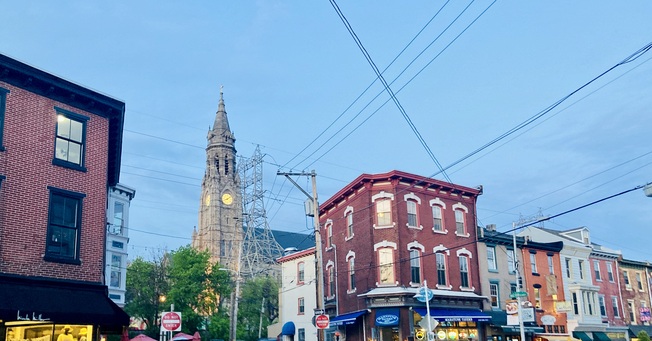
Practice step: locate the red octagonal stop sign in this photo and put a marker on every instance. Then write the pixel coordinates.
(171, 321)
(322, 321)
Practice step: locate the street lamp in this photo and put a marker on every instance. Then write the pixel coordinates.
(161, 300)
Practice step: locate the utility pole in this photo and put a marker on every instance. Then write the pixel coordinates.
(518, 285)
(318, 256)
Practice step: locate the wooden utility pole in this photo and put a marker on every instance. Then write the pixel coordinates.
(319, 273)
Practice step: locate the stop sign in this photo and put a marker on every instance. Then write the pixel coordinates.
(322, 321)
(171, 321)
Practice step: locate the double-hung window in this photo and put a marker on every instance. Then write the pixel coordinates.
(628, 285)
(301, 273)
(493, 295)
(491, 258)
(441, 269)
(64, 226)
(464, 272)
(301, 306)
(352, 273)
(511, 264)
(610, 272)
(70, 140)
(384, 212)
(580, 268)
(533, 262)
(412, 213)
(116, 270)
(437, 218)
(349, 224)
(614, 306)
(551, 266)
(596, 270)
(386, 268)
(460, 229)
(602, 304)
(639, 281)
(415, 266)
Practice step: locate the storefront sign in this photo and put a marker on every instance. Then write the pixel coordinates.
(548, 320)
(387, 317)
(562, 306)
(34, 317)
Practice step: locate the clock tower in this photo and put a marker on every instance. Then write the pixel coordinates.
(220, 209)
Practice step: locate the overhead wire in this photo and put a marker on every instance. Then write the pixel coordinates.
(388, 89)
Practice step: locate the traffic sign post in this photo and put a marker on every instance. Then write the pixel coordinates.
(171, 321)
(322, 321)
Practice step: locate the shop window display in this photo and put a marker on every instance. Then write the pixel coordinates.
(48, 332)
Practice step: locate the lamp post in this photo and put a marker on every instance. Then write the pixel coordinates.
(161, 299)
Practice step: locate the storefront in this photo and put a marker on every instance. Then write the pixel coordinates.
(386, 321)
(452, 324)
(49, 310)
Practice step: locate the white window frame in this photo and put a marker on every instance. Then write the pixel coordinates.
(439, 206)
(596, 270)
(376, 199)
(491, 258)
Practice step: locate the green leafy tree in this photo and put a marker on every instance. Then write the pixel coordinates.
(259, 298)
(146, 284)
(643, 336)
(197, 288)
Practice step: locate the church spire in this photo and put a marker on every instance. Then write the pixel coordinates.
(221, 124)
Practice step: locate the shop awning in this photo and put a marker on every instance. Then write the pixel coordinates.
(35, 299)
(349, 318)
(634, 330)
(582, 336)
(288, 328)
(455, 315)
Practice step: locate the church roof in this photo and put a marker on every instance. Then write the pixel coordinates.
(221, 124)
(288, 239)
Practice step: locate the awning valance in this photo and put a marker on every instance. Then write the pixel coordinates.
(37, 299)
(288, 328)
(582, 336)
(349, 318)
(455, 315)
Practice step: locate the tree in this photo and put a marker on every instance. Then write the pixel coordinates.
(643, 336)
(254, 291)
(146, 284)
(197, 288)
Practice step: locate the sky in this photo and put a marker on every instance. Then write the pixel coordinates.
(465, 73)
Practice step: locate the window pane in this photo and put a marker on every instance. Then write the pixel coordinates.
(436, 214)
(63, 126)
(76, 129)
(61, 149)
(74, 153)
(383, 212)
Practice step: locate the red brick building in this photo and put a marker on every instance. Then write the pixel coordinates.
(60, 148)
(384, 235)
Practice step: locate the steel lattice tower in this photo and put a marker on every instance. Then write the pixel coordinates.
(260, 248)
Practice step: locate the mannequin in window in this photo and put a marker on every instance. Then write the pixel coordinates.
(82, 334)
(66, 334)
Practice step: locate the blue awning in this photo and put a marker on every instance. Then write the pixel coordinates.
(288, 328)
(387, 317)
(349, 318)
(455, 315)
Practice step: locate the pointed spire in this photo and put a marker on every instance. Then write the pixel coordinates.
(221, 125)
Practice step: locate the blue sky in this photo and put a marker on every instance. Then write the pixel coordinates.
(290, 68)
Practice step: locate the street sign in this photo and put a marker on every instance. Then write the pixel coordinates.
(516, 294)
(424, 294)
(171, 321)
(322, 321)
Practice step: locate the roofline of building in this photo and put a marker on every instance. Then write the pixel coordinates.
(416, 180)
(48, 85)
(296, 255)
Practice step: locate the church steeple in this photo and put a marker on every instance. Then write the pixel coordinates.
(220, 211)
(221, 124)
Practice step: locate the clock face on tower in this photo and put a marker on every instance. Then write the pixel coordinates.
(227, 199)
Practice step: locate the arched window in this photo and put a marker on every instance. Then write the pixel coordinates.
(301, 274)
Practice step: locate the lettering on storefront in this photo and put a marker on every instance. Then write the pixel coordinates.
(34, 317)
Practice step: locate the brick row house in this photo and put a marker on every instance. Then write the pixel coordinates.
(539, 276)
(60, 151)
(384, 236)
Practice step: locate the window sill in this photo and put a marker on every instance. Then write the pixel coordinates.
(493, 270)
(444, 287)
(70, 165)
(415, 227)
(347, 238)
(467, 289)
(351, 291)
(465, 235)
(49, 258)
(379, 227)
(439, 231)
(536, 274)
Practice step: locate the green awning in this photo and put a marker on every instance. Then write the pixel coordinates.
(582, 336)
(601, 336)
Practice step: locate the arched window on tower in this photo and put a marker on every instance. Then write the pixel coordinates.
(226, 166)
(217, 165)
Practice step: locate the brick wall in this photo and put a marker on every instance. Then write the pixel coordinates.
(30, 122)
